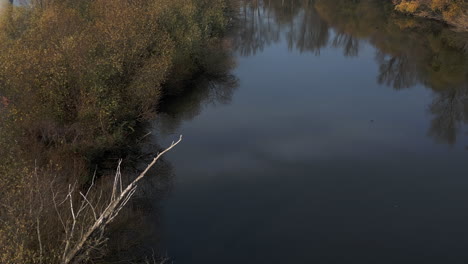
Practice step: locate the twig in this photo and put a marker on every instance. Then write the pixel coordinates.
(38, 229)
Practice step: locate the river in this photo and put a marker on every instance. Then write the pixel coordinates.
(317, 131)
(341, 137)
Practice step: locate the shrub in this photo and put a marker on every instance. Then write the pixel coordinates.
(76, 78)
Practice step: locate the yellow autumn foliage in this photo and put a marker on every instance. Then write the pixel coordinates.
(453, 12)
(98, 63)
(77, 77)
(408, 6)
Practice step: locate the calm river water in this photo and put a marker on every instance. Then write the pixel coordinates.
(341, 137)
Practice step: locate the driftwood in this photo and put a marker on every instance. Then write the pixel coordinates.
(77, 248)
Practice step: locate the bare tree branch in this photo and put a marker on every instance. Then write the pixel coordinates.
(75, 251)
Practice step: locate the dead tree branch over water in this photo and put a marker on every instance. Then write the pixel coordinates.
(79, 243)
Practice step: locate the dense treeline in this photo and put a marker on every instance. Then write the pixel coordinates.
(453, 12)
(77, 80)
(98, 65)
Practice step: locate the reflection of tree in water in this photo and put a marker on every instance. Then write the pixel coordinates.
(215, 86)
(257, 28)
(348, 43)
(396, 71)
(410, 51)
(313, 32)
(263, 23)
(186, 106)
(450, 109)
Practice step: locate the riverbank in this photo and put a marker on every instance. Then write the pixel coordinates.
(81, 79)
(450, 12)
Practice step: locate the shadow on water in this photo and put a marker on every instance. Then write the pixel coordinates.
(409, 51)
(186, 106)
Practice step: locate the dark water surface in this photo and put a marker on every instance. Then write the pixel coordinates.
(340, 138)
